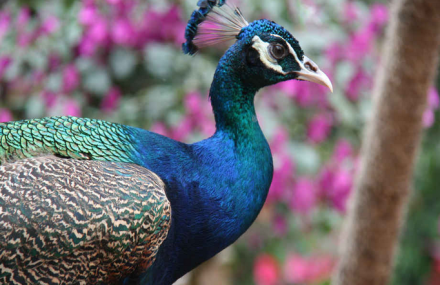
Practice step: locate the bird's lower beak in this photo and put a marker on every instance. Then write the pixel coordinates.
(311, 72)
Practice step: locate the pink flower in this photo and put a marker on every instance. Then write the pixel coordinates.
(433, 98)
(49, 25)
(334, 52)
(342, 185)
(335, 185)
(359, 81)
(428, 118)
(302, 270)
(49, 98)
(5, 115)
(87, 14)
(71, 108)
(23, 17)
(266, 270)
(304, 196)
(379, 15)
(280, 226)
(123, 33)
(5, 61)
(319, 128)
(282, 177)
(71, 78)
(98, 31)
(343, 150)
(350, 12)
(111, 100)
(183, 129)
(433, 104)
(160, 129)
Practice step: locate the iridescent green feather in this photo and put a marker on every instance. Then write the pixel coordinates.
(72, 137)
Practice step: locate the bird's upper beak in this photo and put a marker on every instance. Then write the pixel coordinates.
(311, 72)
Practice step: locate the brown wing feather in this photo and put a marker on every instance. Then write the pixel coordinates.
(67, 221)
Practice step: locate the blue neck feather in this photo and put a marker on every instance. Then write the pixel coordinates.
(217, 186)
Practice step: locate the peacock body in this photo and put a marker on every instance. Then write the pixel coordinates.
(85, 201)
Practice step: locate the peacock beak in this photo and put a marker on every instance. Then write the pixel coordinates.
(311, 72)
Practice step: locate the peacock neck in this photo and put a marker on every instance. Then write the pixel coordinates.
(232, 100)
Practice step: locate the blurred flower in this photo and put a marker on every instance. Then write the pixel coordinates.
(266, 270)
(49, 98)
(280, 226)
(5, 115)
(302, 270)
(71, 78)
(343, 149)
(359, 81)
(350, 12)
(304, 196)
(379, 16)
(87, 14)
(71, 108)
(23, 17)
(49, 25)
(432, 104)
(319, 128)
(111, 100)
(123, 33)
(5, 61)
(160, 128)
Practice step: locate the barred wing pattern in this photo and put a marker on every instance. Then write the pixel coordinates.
(66, 221)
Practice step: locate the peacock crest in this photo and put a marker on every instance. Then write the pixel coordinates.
(215, 22)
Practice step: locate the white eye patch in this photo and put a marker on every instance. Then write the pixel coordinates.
(263, 49)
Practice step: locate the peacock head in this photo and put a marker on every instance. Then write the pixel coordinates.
(264, 52)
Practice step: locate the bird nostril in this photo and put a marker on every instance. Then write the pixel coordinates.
(310, 67)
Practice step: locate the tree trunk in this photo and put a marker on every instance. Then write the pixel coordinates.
(377, 206)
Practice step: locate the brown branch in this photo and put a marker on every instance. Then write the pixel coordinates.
(391, 140)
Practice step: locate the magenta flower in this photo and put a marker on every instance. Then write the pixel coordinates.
(341, 188)
(351, 12)
(5, 115)
(302, 270)
(433, 104)
(282, 177)
(266, 270)
(111, 100)
(98, 31)
(49, 98)
(319, 128)
(280, 226)
(160, 128)
(49, 25)
(71, 108)
(359, 81)
(5, 61)
(343, 150)
(123, 33)
(23, 17)
(379, 15)
(304, 196)
(87, 14)
(71, 78)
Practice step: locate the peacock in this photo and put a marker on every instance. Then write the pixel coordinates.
(86, 201)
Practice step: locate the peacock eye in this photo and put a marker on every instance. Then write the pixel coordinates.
(277, 51)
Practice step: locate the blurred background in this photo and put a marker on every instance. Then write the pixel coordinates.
(121, 61)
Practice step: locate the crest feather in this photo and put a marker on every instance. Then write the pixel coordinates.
(212, 24)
